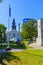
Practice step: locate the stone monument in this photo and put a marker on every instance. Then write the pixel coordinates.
(39, 40)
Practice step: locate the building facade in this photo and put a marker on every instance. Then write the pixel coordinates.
(14, 35)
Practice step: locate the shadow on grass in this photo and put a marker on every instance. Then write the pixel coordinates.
(3, 46)
(18, 46)
(8, 56)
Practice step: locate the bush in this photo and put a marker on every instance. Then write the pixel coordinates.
(18, 42)
(24, 42)
(11, 42)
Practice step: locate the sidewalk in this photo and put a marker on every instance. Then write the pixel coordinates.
(36, 46)
(13, 50)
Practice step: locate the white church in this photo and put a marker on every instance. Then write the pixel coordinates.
(14, 35)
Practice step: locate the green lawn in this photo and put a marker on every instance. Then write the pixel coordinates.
(26, 57)
(13, 45)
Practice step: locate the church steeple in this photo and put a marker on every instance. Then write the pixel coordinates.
(13, 24)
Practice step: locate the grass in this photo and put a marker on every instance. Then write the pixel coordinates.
(13, 45)
(26, 57)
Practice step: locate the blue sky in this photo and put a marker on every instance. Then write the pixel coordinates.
(20, 9)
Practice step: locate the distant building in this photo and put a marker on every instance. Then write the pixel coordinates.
(26, 20)
(14, 35)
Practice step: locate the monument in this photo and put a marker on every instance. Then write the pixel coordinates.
(39, 41)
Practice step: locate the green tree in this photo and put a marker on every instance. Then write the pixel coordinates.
(29, 29)
(2, 30)
(0, 1)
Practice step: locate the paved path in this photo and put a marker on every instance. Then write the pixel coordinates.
(12, 50)
(36, 46)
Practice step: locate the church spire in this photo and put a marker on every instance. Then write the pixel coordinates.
(13, 24)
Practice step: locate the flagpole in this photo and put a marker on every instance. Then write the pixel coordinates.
(8, 29)
(8, 47)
